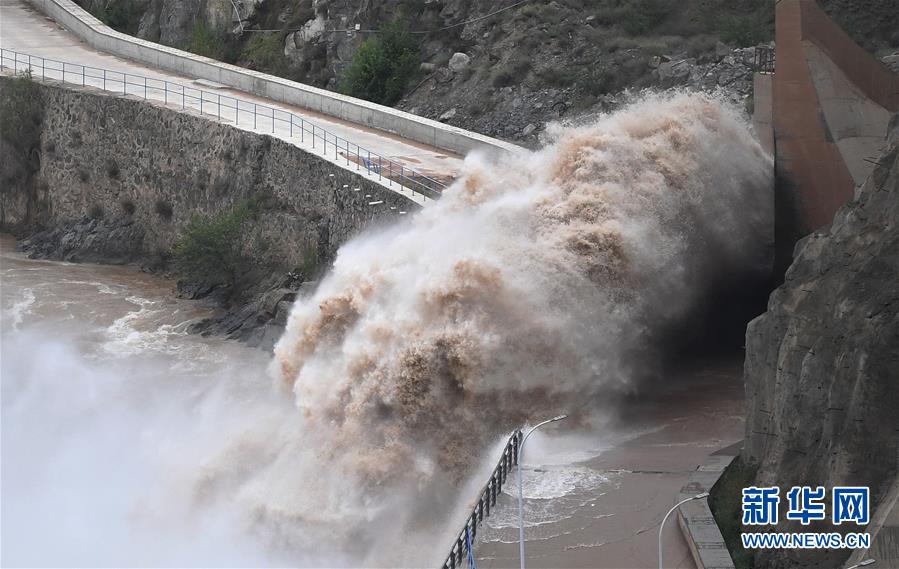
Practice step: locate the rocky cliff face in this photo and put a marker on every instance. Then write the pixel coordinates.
(822, 364)
(496, 67)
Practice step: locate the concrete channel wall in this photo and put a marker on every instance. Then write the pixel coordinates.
(422, 130)
(832, 104)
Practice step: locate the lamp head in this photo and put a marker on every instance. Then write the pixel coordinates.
(701, 495)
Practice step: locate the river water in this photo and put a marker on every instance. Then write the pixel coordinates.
(112, 413)
(110, 410)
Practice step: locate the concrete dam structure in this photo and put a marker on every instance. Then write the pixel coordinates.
(832, 105)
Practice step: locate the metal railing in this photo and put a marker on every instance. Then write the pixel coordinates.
(763, 59)
(486, 502)
(230, 110)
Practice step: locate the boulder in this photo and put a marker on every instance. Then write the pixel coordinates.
(458, 62)
(447, 115)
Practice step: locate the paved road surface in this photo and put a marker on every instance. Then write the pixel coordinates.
(596, 501)
(28, 31)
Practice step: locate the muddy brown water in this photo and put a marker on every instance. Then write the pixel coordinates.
(107, 419)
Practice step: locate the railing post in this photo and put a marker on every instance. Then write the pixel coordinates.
(145, 88)
(104, 79)
(254, 116)
(82, 76)
(273, 120)
(220, 105)
(492, 489)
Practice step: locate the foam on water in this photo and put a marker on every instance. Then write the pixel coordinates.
(21, 308)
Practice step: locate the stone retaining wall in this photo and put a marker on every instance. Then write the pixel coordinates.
(102, 155)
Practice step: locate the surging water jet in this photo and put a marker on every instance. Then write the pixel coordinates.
(533, 283)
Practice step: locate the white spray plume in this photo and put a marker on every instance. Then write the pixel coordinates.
(527, 290)
(530, 287)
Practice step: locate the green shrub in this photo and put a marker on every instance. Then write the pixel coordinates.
(112, 169)
(21, 114)
(265, 52)
(558, 76)
(206, 42)
(96, 212)
(128, 206)
(514, 71)
(383, 65)
(744, 30)
(639, 17)
(121, 15)
(163, 209)
(210, 250)
(311, 265)
(738, 22)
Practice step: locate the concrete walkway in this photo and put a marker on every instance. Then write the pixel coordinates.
(27, 31)
(604, 512)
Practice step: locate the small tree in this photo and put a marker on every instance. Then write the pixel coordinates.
(21, 114)
(210, 251)
(383, 65)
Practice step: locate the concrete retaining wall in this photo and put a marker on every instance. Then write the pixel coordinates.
(832, 103)
(406, 125)
(695, 518)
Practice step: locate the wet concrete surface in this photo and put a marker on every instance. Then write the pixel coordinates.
(603, 511)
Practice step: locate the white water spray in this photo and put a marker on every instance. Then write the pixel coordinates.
(531, 286)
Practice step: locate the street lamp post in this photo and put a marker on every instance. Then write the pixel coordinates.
(665, 519)
(862, 563)
(520, 491)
